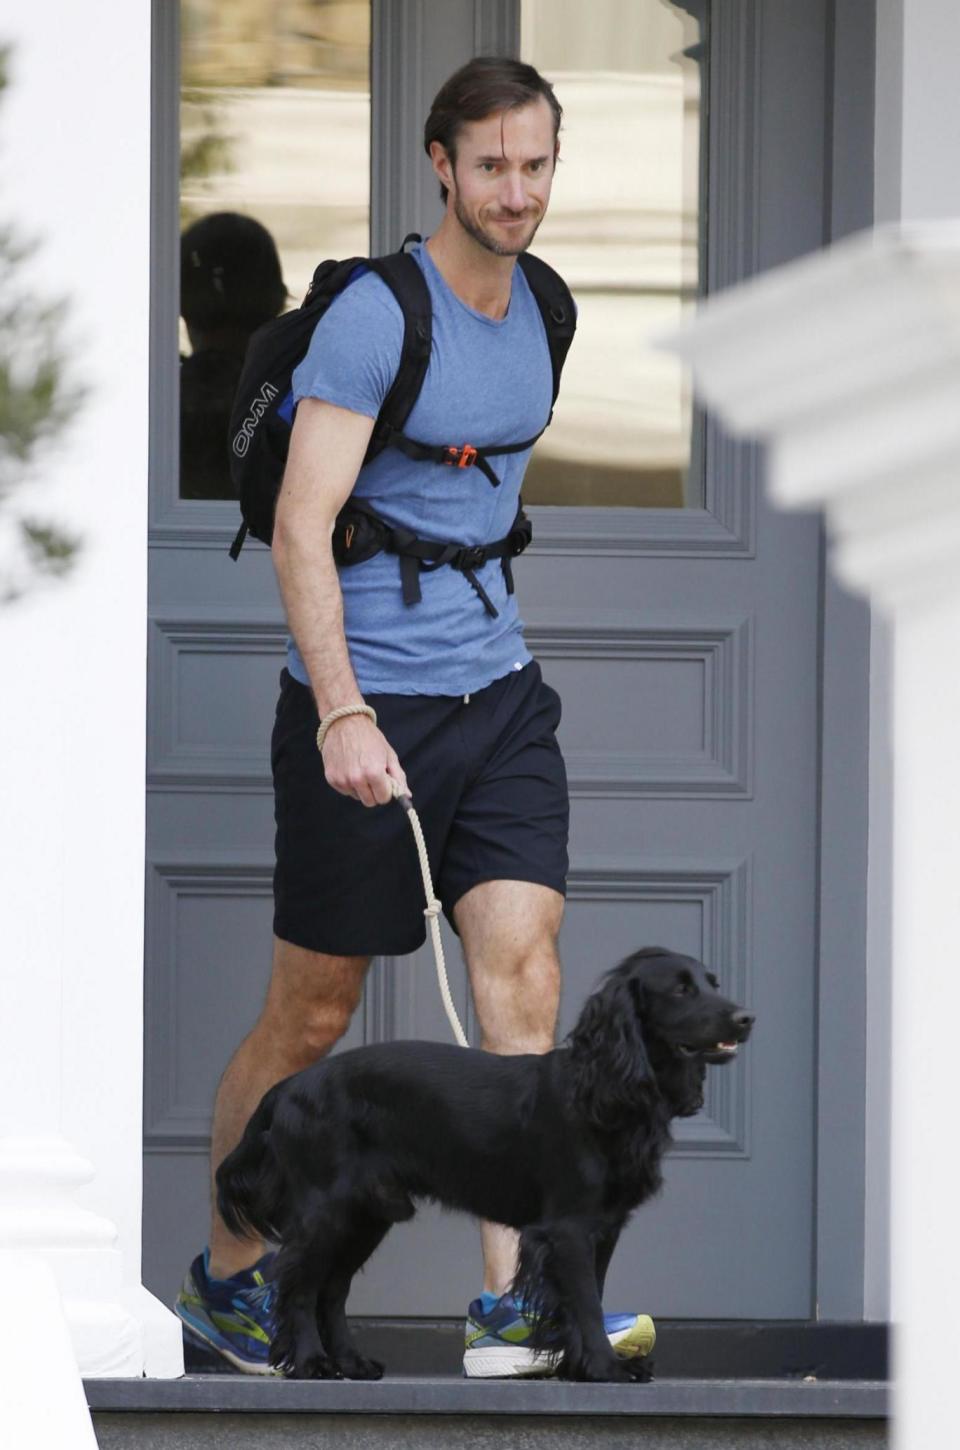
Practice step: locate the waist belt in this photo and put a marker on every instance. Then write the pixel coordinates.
(360, 533)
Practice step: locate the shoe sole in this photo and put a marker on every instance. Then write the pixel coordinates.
(513, 1362)
(245, 1366)
(507, 1362)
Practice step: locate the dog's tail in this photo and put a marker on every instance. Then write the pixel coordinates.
(249, 1180)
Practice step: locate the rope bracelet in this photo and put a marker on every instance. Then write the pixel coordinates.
(339, 714)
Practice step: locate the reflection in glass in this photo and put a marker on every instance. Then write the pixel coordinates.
(624, 229)
(275, 126)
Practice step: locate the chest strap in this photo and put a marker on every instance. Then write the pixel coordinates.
(464, 455)
(360, 532)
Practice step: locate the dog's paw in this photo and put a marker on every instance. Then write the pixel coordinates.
(619, 1370)
(639, 1368)
(358, 1367)
(598, 1369)
(314, 1367)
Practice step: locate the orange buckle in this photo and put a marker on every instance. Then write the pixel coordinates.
(462, 457)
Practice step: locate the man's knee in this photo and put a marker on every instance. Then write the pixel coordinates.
(529, 992)
(512, 921)
(517, 996)
(509, 933)
(311, 1000)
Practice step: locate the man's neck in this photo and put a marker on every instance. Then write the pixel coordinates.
(479, 277)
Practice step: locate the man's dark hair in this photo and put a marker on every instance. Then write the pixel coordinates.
(485, 85)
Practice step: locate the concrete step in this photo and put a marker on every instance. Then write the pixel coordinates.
(245, 1413)
(718, 1385)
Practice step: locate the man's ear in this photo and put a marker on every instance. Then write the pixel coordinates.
(441, 163)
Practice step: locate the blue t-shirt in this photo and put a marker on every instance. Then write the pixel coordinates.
(488, 382)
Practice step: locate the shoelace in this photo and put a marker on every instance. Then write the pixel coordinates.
(260, 1297)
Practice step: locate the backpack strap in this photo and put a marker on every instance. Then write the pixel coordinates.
(559, 314)
(360, 532)
(238, 538)
(557, 308)
(428, 554)
(402, 274)
(464, 455)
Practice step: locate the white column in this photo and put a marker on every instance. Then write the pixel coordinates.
(75, 176)
(917, 110)
(848, 364)
(43, 1401)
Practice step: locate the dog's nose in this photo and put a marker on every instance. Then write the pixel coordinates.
(743, 1021)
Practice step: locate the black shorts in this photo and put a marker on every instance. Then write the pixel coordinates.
(489, 787)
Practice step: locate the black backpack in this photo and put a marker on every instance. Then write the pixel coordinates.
(262, 415)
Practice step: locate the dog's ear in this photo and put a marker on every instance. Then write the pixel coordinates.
(607, 1052)
(688, 1098)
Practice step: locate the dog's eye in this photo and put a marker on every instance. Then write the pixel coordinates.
(685, 989)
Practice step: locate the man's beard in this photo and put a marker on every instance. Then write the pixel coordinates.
(484, 238)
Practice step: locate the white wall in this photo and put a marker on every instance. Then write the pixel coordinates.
(889, 109)
(930, 178)
(918, 109)
(75, 174)
(917, 132)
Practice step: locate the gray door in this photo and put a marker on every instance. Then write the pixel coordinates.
(676, 615)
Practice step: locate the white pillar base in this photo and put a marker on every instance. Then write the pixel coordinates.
(114, 1329)
(43, 1401)
(161, 1333)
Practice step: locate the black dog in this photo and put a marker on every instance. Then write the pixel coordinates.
(562, 1147)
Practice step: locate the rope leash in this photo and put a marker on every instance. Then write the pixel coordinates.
(433, 907)
(432, 913)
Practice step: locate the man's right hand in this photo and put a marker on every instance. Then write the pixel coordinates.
(359, 761)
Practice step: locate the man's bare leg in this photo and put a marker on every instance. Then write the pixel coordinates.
(310, 1001)
(509, 934)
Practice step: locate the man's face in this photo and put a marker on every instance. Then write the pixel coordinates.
(500, 186)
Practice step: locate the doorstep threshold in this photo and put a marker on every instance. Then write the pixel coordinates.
(447, 1395)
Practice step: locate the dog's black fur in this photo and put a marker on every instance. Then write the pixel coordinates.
(562, 1147)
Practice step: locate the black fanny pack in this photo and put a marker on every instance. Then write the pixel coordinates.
(360, 532)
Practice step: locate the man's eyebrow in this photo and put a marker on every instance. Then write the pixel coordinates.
(486, 160)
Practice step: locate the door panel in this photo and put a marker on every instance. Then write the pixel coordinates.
(684, 643)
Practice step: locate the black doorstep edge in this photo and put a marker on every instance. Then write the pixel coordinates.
(686, 1349)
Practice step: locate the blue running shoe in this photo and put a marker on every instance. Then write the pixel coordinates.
(496, 1344)
(232, 1316)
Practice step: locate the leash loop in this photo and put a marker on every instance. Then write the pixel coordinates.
(432, 913)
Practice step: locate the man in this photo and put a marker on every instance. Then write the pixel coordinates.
(463, 720)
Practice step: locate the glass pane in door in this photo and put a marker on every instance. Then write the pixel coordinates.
(275, 176)
(625, 228)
